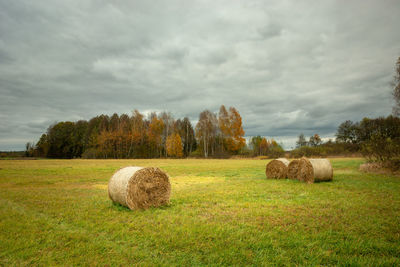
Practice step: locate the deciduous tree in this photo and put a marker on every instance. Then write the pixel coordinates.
(237, 130)
(185, 129)
(255, 144)
(206, 130)
(156, 128)
(168, 120)
(174, 146)
(347, 132)
(42, 146)
(60, 140)
(264, 146)
(315, 140)
(301, 141)
(396, 89)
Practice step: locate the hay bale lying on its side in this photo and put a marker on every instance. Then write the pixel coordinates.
(277, 168)
(370, 167)
(293, 169)
(139, 188)
(315, 170)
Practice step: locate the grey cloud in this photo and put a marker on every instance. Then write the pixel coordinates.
(288, 67)
(5, 58)
(270, 31)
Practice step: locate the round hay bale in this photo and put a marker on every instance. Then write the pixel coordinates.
(277, 168)
(139, 188)
(315, 170)
(370, 167)
(293, 169)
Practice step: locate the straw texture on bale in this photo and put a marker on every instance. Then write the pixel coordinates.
(370, 167)
(315, 170)
(139, 188)
(277, 168)
(293, 169)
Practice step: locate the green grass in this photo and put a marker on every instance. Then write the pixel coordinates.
(222, 212)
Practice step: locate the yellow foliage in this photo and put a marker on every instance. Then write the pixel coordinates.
(174, 146)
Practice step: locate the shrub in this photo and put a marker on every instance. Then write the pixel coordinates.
(91, 153)
(276, 151)
(380, 140)
(306, 151)
(196, 153)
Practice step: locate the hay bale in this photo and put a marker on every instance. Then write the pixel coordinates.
(315, 170)
(139, 188)
(277, 168)
(370, 167)
(293, 169)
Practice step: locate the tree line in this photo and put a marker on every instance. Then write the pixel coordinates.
(137, 136)
(261, 146)
(376, 139)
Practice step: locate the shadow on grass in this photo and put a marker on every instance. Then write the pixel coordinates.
(333, 181)
(118, 207)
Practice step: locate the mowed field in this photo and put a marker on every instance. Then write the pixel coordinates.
(222, 212)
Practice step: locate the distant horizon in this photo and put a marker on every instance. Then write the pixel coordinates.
(288, 143)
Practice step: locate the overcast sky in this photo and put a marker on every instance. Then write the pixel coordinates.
(287, 66)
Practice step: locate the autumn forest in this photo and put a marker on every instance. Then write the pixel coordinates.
(158, 135)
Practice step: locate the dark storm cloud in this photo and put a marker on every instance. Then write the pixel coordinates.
(288, 67)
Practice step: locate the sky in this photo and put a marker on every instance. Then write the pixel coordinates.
(289, 67)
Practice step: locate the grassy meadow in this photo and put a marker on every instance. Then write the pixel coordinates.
(222, 212)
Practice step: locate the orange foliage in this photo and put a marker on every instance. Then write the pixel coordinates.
(264, 146)
(156, 128)
(174, 146)
(236, 141)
